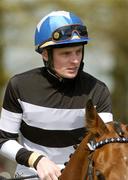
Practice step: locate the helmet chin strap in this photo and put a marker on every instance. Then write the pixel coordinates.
(50, 66)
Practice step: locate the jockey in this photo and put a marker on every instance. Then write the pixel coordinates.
(44, 108)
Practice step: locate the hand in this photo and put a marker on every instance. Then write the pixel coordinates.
(48, 170)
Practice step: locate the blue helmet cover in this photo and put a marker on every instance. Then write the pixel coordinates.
(51, 22)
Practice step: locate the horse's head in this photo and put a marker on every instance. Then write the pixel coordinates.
(102, 154)
(108, 144)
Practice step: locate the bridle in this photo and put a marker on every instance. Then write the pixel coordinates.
(93, 145)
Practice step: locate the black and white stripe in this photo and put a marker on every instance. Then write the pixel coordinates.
(49, 114)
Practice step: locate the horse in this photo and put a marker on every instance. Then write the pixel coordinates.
(103, 152)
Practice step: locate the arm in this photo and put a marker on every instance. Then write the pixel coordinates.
(11, 117)
(45, 168)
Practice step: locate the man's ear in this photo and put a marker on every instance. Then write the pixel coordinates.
(45, 55)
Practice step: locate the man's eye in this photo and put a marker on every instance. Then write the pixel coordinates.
(67, 53)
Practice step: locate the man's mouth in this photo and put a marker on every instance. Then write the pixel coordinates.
(73, 69)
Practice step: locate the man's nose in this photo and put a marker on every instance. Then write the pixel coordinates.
(75, 58)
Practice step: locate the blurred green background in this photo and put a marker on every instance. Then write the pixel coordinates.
(106, 56)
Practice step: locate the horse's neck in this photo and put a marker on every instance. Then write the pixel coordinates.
(77, 166)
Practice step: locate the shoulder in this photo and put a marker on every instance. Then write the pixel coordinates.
(29, 73)
(88, 79)
(99, 93)
(27, 76)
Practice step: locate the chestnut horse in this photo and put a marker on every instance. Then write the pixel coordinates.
(102, 154)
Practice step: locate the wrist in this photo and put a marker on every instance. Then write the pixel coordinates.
(34, 159)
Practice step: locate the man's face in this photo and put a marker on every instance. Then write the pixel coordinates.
(66, 61)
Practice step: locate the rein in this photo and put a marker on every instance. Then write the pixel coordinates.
(20, 178)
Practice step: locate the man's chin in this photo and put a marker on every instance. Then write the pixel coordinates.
(69, 76)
